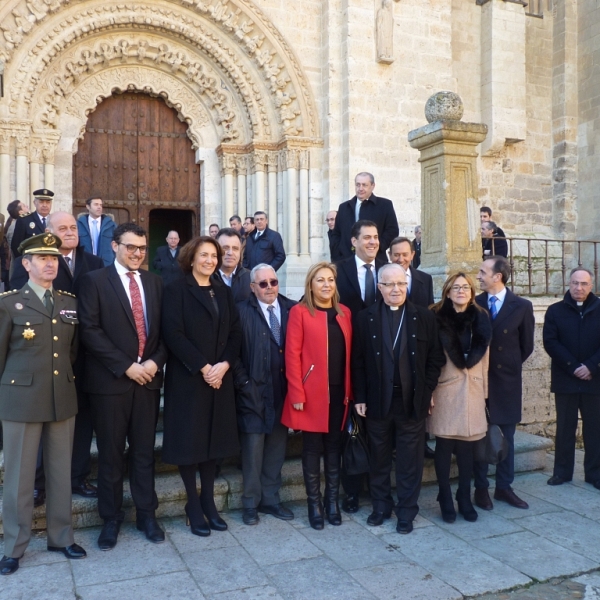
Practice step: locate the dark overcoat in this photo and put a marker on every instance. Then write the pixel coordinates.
(167, 264)
(268, 249)
(512, 342)
(572, 339)
(421, 290)
(199, 421)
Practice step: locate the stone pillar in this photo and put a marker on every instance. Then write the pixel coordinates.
(290, 209)
(258, 180)
(304, 212)
(449, 188)
(272, 190)
(227, 168)
(48, 153)
(241, 166)
(22, 166)
(5, 171)
(35, 160)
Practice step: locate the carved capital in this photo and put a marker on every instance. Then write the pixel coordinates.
(288, 159)
(22, 143)
(273, 159)
(241, 164)
(259, 160)
(227, 164)
(48, 150)
(304, 158)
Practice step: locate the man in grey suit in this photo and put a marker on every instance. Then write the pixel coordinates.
(38, 335)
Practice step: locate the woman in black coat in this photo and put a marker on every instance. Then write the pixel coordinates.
(201, 329)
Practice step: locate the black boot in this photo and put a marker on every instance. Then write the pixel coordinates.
(312, 482)
(332, 488)
(465, 506)
(446, 504)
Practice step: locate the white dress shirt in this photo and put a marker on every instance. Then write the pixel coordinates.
(362, 274)
(265, 308)
(122, 272)
(408, 280)
(500, 296)
(227, 279)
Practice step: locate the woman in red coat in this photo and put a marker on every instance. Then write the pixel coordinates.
(317, 359)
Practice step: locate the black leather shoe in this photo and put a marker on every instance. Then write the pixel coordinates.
(376, 518)
(510, 497)
(482, 499)
(216, 523)
(556, 480)
(595, 483)
(350, 504)
(73, 551)
(152, 529)
(39, 498)
(404, 526)
(277, 510)
(107, 539)
(429, 452)
(85, 489)
(250, 516)
(8, 565)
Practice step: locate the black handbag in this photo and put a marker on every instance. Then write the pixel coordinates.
(493, 448)
(355, 456)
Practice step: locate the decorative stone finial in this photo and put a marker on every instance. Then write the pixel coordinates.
(444, 106)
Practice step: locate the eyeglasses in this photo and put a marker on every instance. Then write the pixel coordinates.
(583, 284)
(265, 284)
(392, 284)
(461, 288)
(131, 248)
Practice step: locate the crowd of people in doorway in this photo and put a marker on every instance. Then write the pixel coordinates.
(88, 339)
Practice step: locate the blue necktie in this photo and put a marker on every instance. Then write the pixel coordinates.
(274, 324)
(493, 309)
(95, 236)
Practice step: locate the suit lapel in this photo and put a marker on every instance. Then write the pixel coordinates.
(148, 297)
(115, 281)
(507, 307)
(198, 293)
(385, 327)
(63, 266)
(350, 268)
(31, 299)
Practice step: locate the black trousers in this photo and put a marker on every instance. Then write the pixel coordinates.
(410, 441)
(505, 470)
(444, 447)
(567, 408)
(130, 417)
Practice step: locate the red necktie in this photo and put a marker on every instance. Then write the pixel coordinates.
(138, 312)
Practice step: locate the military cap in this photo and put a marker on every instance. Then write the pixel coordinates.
(43, 194)
(44, 243)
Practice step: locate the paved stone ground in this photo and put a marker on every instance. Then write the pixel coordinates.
(549, 552)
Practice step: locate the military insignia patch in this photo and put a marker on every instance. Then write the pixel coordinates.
(19, 306)
(29, 334)
(32, 225)
(49, 240)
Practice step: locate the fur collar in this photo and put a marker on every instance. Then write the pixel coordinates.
(452, 324)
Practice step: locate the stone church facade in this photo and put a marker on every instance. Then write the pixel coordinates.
(283, 102)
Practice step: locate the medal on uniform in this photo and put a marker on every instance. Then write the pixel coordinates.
(32, 225)
(29, 334)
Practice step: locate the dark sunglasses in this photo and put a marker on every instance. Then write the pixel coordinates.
(265, 284)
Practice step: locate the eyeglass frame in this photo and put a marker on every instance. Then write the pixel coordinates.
(265, 283)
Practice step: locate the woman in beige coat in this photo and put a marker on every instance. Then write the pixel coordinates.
(458, 404)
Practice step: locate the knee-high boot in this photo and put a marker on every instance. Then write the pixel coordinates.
(311, 463)
(464, 460)
(332, 487)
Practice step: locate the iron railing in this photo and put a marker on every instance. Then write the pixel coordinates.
(541, 267)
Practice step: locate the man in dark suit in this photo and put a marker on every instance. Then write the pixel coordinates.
(38, 401)
(416, 245)
(334, 251)
(96, 231)
(365, 205)
(34, 223)
(396, 362)
(231, 272)
(493, 243)
(572, 339)
(261, 389)
(165, 260)
(120, 308)
(513, 327)
(73, 264)
(420, 284)
(263, 245)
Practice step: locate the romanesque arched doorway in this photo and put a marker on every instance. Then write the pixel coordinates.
(136, 155)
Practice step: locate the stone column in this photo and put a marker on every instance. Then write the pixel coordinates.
(449, 188)
(272, 190)
(258, 180)
(290, 208)
(304, 212)
(5, 170)
(35, 160)
(227, 168)
(241, 166)
(22, 166)
(48, 153)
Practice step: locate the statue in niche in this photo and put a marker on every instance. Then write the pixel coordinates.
(384, 24)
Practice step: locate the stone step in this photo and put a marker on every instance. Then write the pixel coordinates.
(530, 455)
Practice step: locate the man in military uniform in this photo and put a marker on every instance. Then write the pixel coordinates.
(38, 343)
(33, 223)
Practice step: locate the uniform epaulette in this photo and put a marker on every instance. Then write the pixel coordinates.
(24, 215)
(66, 293)
(9, 293)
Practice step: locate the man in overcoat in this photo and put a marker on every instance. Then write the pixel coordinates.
(396, 362)
(263, 245)
(572, 339)
(96, 231)
(38, 401)
(513, 328)
(33, 223)
(231, 272)
(120, 310)
(261, 389)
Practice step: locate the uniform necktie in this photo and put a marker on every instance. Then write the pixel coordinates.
(48, 301)
(274, 324)
(95, 234)
(493, 309)
(69, 263)
(138, 312)
(44, 223)
(369, 285)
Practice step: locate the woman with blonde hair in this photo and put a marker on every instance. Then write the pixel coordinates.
(317, 359)
(458, 404)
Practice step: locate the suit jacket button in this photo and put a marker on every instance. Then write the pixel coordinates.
(12, 381)
(499, 366)
(56, 355)
(500, 348)
(55, 338)
(56, 372)
(506, 331)
(54, 321)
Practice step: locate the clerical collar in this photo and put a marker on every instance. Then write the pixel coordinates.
(580, 304)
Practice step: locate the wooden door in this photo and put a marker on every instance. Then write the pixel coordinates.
(136, 156)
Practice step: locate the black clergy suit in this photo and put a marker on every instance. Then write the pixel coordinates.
(421, 290)
(123, 409)
(26, 227)
(396, 385)
(379, 210)
(512, 342)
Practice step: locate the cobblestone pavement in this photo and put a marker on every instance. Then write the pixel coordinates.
(551, 551)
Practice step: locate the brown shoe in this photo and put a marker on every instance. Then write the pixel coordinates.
(510, 497)
(482, 499)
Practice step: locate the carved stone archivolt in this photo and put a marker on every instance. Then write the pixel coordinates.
(216, 49)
